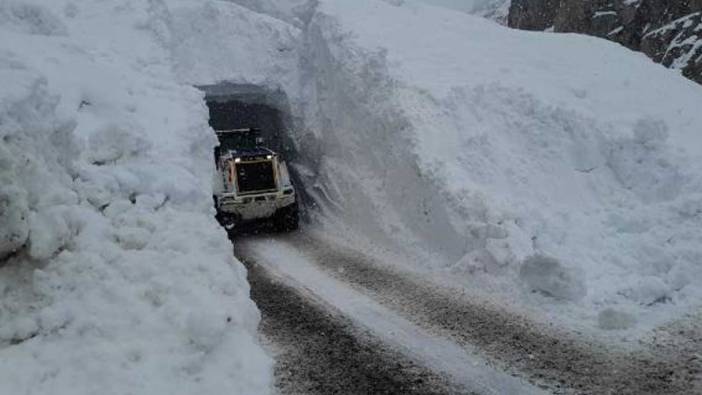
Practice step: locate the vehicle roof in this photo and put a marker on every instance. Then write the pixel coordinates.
(241, 130)
(257, 151)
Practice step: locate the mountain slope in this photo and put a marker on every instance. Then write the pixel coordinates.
(669, 32)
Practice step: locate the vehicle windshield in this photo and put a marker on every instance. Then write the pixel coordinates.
(237, 140)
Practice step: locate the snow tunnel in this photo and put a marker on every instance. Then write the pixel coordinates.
(234, 106)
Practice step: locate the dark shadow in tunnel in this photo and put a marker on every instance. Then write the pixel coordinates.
(233, 106)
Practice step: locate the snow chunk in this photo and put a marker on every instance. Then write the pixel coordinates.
(14, 218)
(547, 275)
(644, 164)
(48, 233)
(611, 319)
(113, 142)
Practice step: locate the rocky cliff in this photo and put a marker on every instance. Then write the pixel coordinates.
(668, 31)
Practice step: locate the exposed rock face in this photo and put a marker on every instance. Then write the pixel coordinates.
(532, 14)
(678, 44)
(668, 31)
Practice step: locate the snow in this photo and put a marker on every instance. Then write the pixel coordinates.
(616, 31)
(559, 173)
(599, 14)
(459, 5)
(263, 52)
(115, 278)
(436, 125)
(496, 10)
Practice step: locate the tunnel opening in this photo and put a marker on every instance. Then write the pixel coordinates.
(234, 106)
(264, 111)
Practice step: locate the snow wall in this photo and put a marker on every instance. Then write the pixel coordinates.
(566, 165)
(114, 276)
(560, 172)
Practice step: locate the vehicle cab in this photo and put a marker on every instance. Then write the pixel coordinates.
(255, 183)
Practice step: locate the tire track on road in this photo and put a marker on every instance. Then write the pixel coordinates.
(543, 355)
(319, 352)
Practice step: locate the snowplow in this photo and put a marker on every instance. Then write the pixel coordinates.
(253, 183)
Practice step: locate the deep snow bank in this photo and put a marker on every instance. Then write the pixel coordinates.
(114, 275)
(563, 164)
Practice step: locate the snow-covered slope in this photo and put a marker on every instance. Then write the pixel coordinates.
(114, 276)
(565, 164)
(496, 10)
(515, 161)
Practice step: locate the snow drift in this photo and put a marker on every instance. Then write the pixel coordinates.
(563, 164)
(114, 275)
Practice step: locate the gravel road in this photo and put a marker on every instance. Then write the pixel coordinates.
(318, 351)
(323, 353)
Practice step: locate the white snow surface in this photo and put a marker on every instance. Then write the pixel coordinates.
(114, 276)
(560, 171)
(496, 10)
